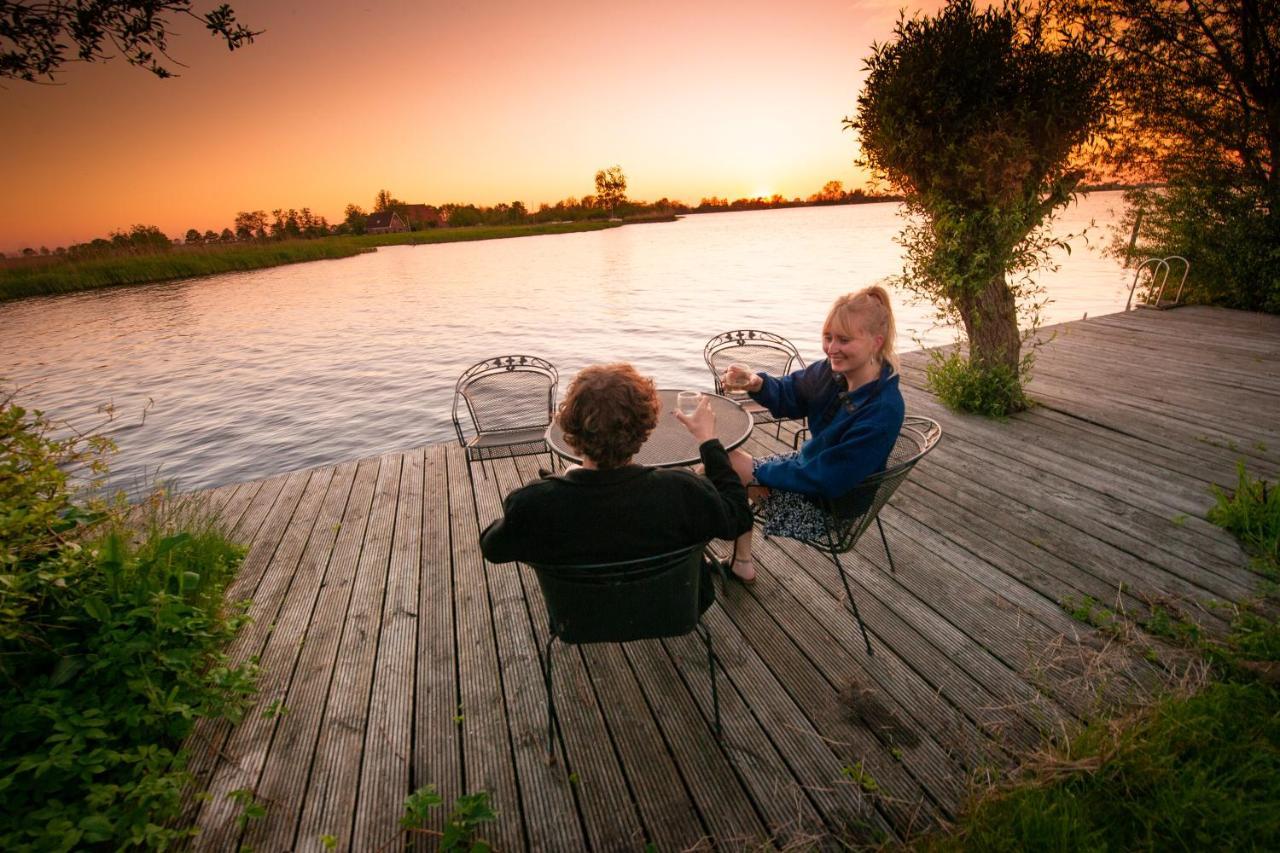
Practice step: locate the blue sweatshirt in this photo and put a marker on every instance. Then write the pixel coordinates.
(851, 432)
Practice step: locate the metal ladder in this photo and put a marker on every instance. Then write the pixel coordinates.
(1158, 269)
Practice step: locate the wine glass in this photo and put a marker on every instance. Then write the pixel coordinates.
(687, 402)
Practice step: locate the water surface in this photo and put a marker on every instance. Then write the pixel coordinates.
(239, 376)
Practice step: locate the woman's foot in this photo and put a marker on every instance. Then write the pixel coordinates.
(743, 571)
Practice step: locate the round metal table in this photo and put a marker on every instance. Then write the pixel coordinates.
(670, 444)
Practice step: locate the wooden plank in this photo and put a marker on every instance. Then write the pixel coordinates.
(839, 692)
(244, 751)
(1192, 404)
(488, 764)
(1070, 488)
(335, 770)
(1100, 537)
(437, 754)
(848, 811)
(1032, 445)
(904, 799)
(284, 782)
(204, 744)
(386, 760)
(671, 822)
(550, 813)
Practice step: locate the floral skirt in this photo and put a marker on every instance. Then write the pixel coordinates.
(789, 514)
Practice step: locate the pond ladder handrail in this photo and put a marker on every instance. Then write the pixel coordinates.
(1157, 264)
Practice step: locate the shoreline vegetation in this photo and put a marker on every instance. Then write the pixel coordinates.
(53, 274)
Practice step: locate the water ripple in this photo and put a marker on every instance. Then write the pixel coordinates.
(251, 374)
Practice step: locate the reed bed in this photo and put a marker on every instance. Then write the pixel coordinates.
(43, 276)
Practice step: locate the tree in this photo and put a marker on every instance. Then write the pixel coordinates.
(384, 200)
(355, 218)
(227, 236)
(250, 224)
(1198, 87)
(611, 188)
(35, 37)
(974, 118)
(831, 191)
(193, 237)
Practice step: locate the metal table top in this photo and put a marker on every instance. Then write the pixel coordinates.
(670, 444)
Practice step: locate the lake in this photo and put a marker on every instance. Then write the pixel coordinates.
(240, 376)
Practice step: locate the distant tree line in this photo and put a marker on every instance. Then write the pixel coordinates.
(609, 201)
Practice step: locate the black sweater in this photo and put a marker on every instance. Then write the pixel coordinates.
(592, 516)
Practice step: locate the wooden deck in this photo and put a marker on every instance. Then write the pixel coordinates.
(402, 659)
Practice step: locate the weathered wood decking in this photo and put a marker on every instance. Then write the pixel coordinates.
(402, 659)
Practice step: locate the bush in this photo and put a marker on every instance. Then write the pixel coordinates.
(111, 624)
(1224, 232)
(994, 391)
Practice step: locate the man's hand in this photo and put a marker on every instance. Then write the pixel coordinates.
(702, 423)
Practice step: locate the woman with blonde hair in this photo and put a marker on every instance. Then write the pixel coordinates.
(855, 411)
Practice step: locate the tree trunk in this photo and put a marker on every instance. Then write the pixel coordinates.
(991, 322)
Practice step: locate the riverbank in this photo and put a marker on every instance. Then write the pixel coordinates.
(43, 276)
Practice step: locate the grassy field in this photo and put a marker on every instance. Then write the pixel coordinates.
(32, 277)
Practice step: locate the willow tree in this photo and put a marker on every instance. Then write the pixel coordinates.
(975, 118)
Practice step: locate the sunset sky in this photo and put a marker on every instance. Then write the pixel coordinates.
(478, 102)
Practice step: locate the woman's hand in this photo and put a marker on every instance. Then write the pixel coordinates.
(738, 377)
(702, 423)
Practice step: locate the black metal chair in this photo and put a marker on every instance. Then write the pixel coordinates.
(848, 516)
(510, 401)
(617, 602)
(761, 352)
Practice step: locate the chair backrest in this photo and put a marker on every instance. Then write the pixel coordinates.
(852, 513)
(617, 602)
(507, 393)
(760, 351)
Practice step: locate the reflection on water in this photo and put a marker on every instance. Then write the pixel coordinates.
(250, 374)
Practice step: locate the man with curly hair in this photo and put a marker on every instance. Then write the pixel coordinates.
(609, 509)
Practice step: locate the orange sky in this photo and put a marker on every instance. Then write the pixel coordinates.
(478, 102)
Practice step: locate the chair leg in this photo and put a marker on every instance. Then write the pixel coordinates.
(883, 539)
(849, 594)
(551, 704)
(715, 693)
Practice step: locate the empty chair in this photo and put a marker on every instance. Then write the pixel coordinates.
(510, 401)
(848, 516)
(617, 602)
(762, 352)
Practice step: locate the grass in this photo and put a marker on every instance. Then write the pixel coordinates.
(1198, 772)
(1195, 769)
(55, 275)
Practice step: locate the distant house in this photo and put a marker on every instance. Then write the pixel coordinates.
(384, 222)
(423, 215)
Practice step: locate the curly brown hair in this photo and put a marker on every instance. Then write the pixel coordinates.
(608, 413)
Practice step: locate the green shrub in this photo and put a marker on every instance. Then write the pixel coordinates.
(995, 391)
(111, 625)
